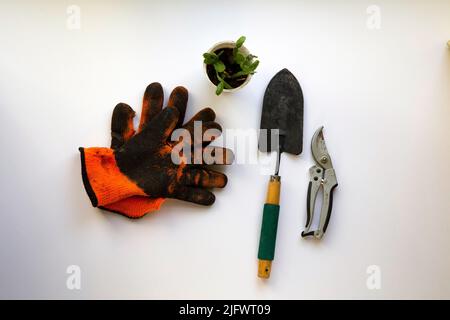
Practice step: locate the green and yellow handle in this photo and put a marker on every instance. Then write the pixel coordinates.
(269, 226)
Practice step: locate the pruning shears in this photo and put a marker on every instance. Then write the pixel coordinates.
(322, 176)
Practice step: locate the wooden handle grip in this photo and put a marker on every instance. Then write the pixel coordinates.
(273, 191)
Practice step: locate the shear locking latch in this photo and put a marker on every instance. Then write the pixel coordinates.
(321, 175)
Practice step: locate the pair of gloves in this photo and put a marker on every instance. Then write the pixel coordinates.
(138, 173)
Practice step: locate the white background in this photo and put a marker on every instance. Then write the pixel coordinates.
(382, 95)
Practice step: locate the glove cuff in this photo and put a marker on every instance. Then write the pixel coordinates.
(135, 207)
(103, 181)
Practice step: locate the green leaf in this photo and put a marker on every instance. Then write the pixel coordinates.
(226, 85)
(219, 88)
(249, 65)
(246, 68)
(239, 74)
(248, 59)
(239, 58)
(254, 65)
(210, 58)
(240, 42)
(219, 66)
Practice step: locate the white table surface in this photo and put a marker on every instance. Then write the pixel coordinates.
(382, 94)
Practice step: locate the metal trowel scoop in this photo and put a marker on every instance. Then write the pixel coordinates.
(281, 131)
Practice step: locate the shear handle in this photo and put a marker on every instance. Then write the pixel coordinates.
(315, 181)
(329, 182)
(325, 179)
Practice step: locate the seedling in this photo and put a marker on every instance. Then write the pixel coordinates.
(229, 67)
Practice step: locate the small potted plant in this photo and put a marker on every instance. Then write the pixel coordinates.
(229, 65)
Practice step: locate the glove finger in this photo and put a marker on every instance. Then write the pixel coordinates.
(151, 103)
(178, 99)
(217, 155)
(192, 141)
(205, 115)
(195, 195)
(203, 133)
(162, 125)
(205, 178)
(122, 127)
(210, 133)
(210, 155)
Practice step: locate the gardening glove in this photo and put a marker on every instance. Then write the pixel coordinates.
(122, 130)
(141, 164)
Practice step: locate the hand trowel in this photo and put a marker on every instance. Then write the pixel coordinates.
(281, 131)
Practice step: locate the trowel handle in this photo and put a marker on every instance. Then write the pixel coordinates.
(269, 226)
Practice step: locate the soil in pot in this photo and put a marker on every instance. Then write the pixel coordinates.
(230, 67)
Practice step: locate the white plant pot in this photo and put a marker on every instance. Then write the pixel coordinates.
(225, 45)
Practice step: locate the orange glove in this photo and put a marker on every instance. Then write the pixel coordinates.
(137, 173)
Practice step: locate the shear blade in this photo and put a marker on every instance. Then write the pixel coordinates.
(319, 150)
